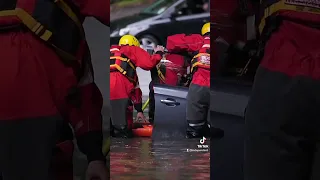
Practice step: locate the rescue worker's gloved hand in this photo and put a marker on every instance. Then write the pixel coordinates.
(141, 116)
(97, 171)
(159, 50)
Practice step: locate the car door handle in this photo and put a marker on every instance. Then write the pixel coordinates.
(169, 102)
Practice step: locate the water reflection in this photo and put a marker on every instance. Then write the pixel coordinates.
(140, 159)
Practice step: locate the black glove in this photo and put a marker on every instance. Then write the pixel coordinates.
(90, 144)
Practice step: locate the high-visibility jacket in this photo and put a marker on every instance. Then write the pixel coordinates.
(274, 7)
(119, 62)
(202, 59)
(56, 22)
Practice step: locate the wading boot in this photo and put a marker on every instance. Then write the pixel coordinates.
(198, 132)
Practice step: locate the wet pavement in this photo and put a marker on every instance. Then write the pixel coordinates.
(140, 159)
(144, 80)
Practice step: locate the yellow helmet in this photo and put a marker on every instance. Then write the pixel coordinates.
(129, 40)
(205, 28)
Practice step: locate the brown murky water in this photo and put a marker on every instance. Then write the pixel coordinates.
(142, 159)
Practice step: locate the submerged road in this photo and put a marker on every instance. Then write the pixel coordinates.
(142, 159)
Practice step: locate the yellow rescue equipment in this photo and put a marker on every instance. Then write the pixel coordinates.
(160, 67)
(205, 29)
(286, 5)
(66, 52)
(201, 60)
(122, 64)
(129, 40)
(106, 146)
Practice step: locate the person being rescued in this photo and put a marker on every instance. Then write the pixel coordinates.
(198, 99)
(172, 70)
(124, 60)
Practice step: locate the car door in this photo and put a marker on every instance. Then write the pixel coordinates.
(228, 102)
(170, 112)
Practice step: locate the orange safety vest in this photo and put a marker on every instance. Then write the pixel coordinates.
(120, 63)
(202, 59)
(273, 7)
(56, 22)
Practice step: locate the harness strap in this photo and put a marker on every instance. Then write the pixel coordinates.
(197, 63)
(124, 60)
(120, 69)
(282, 5)
(31, 23)
(69, 12)
(160, 74)
(39, 30)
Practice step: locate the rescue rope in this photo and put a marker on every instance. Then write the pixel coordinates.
(106, 146)
(283, 5)
(145, 104)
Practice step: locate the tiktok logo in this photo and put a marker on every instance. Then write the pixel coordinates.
(203, 140)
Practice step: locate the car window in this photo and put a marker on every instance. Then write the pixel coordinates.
(191, 7)
(235, 61)
(158, 7)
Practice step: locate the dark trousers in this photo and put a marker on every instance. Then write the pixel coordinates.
(151, 102)
(62, 163)
(26, 147)
(198, 106)
(119, 113)
(283, 128)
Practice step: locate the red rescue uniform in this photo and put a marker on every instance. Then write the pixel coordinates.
(123, 80)
(173, 70)
(282, 116)
(198, 98)
(40, 85)
(192, 43)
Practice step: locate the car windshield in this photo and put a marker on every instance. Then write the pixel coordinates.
(158, 7)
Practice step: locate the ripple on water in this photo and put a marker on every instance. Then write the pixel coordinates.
(140, 159)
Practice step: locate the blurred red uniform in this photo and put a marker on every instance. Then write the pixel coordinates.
(174, 69)
(282, 116)
(47, 77)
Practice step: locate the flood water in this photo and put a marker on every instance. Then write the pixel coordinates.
(140, 159)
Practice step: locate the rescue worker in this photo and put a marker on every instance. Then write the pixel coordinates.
(125, 58)
(198, 99)
(170, 73)
(282, 116)
(135, 102)
(47, 77)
